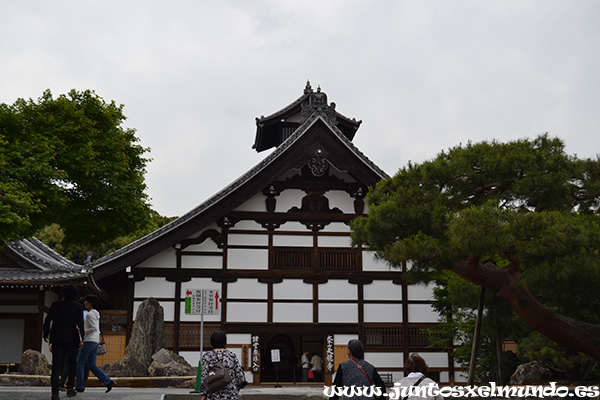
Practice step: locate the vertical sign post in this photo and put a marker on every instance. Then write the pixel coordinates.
(276, 358)
(200, 302)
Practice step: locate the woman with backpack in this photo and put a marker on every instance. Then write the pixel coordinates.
(222, 374)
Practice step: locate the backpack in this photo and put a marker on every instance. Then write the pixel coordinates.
(217, 378)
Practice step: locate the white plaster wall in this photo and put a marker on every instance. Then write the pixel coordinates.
(384, 360)
(335, 241)
(248, 239)
(168, 308)
(370, 263)
(382, 290)
(421, 292)
(422, 313)
(207, 262)
(246, 312)
(164, 259)
(292, 289)
(444, 376)
(292, 240)
(342, 339)
(197, 318)
(383, 312)
(336, 227)
(239, 338)
(154, 287)
(338, 289)
(289, 198)
(341, 200)
(292, 312)
(338, 313)
(461, 376)
(248, 259)
(19, 310)
(247, 289)
(435, 360)
(255, 203)
(248, 225)
(11, 340)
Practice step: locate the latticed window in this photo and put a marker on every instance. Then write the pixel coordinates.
(390, 337)
(189, 335)
(309, 258)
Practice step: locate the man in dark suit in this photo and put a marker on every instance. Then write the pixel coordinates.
(63, 329)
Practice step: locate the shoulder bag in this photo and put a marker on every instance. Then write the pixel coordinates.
(217, 377)
(101, 346)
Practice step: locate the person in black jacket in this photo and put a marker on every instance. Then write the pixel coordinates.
(63, 328)
(357, 372)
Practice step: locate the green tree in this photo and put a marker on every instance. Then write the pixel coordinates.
(526, 203)
(68, 160)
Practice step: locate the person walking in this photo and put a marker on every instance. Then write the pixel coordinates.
(416, 367)
(63, 327)
(316, 364)
(357, 372)
(89, 351)
(305, 365)
(218, 341)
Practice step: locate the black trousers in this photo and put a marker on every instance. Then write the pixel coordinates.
(62, 353)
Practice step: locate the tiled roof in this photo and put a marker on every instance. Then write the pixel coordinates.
(39, 264)
(229, 190)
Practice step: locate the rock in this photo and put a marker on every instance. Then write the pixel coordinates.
(147, 338)
(115, 369)
(167, 363)
(34, 363)
(532, 372)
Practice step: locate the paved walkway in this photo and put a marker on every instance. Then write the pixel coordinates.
(288, 392)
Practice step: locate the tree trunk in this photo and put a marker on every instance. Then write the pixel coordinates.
(568, 332)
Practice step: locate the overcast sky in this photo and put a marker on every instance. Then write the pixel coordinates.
(423, 76)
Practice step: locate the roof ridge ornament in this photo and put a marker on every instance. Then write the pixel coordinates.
(308, 88)
(317, 101)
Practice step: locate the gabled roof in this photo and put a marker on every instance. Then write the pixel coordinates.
(316, 133)
(35, 263)
(272, 130)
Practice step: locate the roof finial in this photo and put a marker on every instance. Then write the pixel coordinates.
(308, 88)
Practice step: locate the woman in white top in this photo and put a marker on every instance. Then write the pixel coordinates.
(416, 368)
(87, 354)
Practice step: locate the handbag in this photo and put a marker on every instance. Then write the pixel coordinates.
(217, 378)
(311, 374)
(101, 346)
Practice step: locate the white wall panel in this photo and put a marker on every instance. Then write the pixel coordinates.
(239, 338)
(383, 360)
(382, 290)
(246, 312)
(292, 289)
(289, 198)
(341, 200)
(247, 259)
(336, 227)
(197, 318)
(383, 312)
(255, 203)
(292, 240)
(247, 289)
(338, 313)
(338, 289)
(370, 263)
(205, 262)
(435, 360)
(292, 312)
(248, 225)
(164, 259)
(342, 339)
(248, 239)
(420, 292)
(422, 313)
(154, 287)
(11, 340)
(335, 241)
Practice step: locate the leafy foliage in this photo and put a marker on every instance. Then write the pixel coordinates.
(525, 205)
(69, 160)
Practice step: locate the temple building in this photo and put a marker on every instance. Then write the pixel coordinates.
(274, 247)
